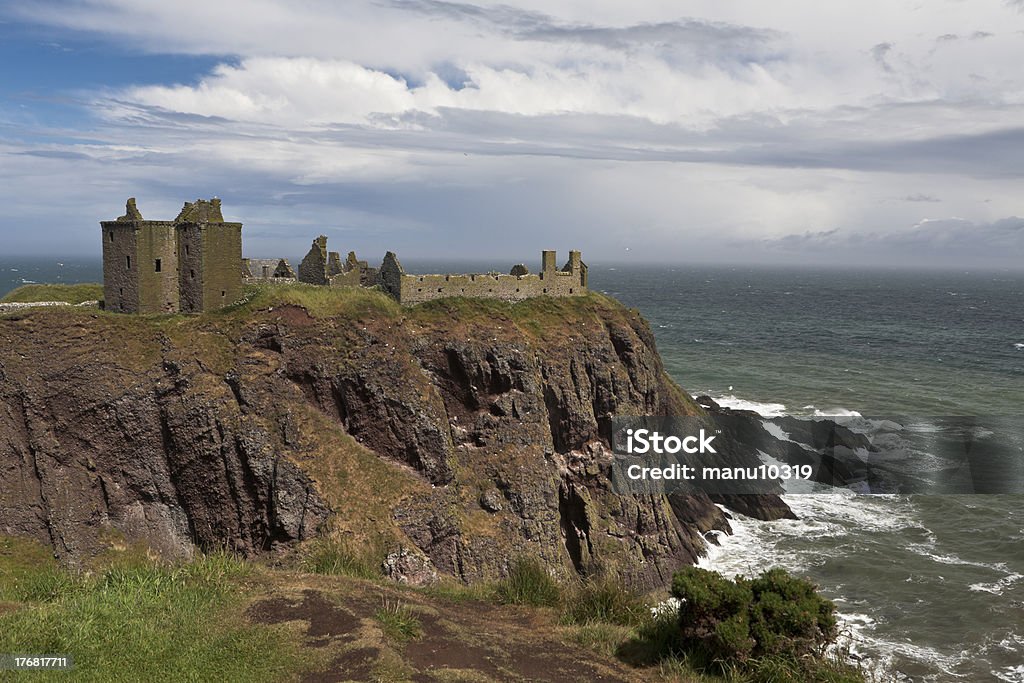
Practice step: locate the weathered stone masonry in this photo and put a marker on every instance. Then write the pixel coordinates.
(322, 267)
(571, 280)
(190, 264)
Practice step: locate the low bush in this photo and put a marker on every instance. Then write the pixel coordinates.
(772, 627)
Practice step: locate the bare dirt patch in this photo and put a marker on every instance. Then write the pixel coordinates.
(327, 620)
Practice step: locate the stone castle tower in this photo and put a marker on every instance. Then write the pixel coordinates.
(190, 264)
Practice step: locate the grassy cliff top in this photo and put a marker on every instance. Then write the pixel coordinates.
(326, 302)
(72, 294)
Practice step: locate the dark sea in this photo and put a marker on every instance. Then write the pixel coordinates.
(930, 587)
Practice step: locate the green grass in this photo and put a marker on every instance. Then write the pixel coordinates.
(600, 637)
(398, 621)
(455, 592)
(529, 583)
(319, 302)
(603, 599)
(72, 294)
(138, 620)
(345, 558)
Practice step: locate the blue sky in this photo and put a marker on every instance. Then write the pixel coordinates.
(876, 132)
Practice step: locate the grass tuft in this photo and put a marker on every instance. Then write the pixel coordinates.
(604, 599)
(398, 621)
(342, 557)
(529, 583)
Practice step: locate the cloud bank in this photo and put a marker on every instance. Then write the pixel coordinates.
(715, 131)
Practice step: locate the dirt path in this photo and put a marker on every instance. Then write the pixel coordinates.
(464, 641)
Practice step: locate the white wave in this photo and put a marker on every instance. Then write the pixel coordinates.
(1012, 642)
(997, 587)
(1018, 346)
(1013, 674)
(836, 412)
(776, 431)
(762, 409)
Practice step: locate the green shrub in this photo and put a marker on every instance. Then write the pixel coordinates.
(770, 622)
(529, 583)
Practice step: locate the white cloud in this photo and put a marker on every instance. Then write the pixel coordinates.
(749, 120)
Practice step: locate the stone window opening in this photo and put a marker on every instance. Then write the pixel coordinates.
(128, 261)
(111, 235)
(192, 274)
(157, 265)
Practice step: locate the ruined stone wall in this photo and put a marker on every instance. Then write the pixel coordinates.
(157, 267)
(120, 281)
(351, 278)
(269, 281)
(414, 289)
(222, 258)
(190, 267)
(210, 274)
(313, 269)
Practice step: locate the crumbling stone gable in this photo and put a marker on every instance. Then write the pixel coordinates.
(321, 267)
(313, 268)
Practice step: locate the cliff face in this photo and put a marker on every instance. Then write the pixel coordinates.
(466, 432)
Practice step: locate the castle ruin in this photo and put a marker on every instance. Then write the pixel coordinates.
(322, 267)
(194, 263)
(190, 264)
(519, 284)
(259, 271)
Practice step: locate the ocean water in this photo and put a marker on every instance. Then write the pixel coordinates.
(930, 587)
(18, 271)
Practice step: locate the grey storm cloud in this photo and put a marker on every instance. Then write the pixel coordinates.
(921, 198)
(948, 236)
(879, 53)
(705, 39)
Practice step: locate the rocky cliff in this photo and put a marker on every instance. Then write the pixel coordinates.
(465, 432)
